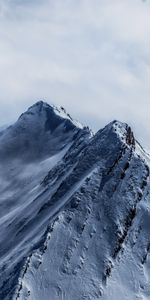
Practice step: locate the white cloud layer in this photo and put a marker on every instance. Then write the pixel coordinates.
(91, 56)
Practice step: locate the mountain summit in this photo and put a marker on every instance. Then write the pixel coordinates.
(41, 131)
(75, 210)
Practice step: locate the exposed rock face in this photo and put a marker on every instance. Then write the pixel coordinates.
(75, 221)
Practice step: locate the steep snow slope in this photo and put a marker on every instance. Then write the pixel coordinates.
(21, 174)
(93, 249)
(78, 220)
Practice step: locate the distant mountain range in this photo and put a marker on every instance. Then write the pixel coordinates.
(74, 210)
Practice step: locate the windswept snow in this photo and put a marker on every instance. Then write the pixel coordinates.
(75, 216)
(63, 114)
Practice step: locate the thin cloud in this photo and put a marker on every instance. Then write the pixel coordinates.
(90, 56)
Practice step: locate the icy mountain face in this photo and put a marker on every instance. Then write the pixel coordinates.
(75, 222)
(23, 227)
(41, 131)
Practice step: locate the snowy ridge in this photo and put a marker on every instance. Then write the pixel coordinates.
(39, 132)
(33, 274)
(63, 114)
(76, 219)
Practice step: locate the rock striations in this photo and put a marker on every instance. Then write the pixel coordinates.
(74, 210)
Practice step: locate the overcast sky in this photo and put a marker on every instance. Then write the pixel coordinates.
(90, 56)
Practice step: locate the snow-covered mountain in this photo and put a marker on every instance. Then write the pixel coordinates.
(74, 210)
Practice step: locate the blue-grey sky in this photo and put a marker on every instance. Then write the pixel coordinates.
(90, 56)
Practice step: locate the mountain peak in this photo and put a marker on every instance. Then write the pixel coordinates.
(75, 205)
(117, 130)
(124, 131)
(42, 130)
(52, 111)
